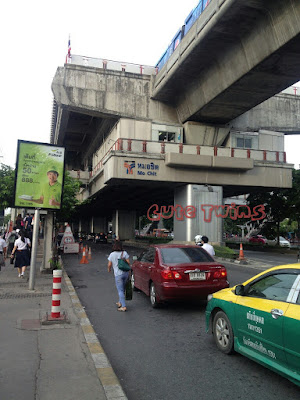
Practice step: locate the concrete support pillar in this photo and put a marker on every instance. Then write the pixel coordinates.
(124, 224)
(197, 196)
(13, 215)
(48, 234)
(100, 224)
(92, 225)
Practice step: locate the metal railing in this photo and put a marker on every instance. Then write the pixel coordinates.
(111, 65)
(148, 147)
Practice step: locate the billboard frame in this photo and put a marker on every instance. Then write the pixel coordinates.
(38, 206)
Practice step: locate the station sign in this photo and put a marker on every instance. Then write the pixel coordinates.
(141, 169)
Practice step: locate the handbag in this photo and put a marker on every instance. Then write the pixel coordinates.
(12, 259)
(128, 290)
(123, 265)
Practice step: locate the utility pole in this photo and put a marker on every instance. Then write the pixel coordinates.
(34, 248)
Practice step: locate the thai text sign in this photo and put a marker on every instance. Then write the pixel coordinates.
(39, 175)
(142, 169)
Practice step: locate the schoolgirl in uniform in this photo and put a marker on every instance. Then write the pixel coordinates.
(21, 251)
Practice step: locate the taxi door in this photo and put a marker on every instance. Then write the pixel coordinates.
(260, 316)
(291, 337)
(259, 328)
(291, 329)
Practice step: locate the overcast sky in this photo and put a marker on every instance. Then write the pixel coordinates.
(34, 38)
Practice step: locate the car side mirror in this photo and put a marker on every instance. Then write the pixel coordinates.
(239, 290)
(134, 258)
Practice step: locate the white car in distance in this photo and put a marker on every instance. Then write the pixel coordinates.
(282, 242)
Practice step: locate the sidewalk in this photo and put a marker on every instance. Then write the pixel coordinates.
(47, 362)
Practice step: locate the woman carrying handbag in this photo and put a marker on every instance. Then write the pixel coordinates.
(119, 261)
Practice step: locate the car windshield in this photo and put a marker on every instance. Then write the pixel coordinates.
(180, 255)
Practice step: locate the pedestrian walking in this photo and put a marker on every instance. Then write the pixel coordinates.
(19, 222)
(21, 249)
(3, 248)
(121, 277)
(11, 238)
(206, 246)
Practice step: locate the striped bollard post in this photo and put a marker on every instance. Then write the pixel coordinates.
(56, 292)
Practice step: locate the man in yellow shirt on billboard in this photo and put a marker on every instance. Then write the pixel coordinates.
(51, 191)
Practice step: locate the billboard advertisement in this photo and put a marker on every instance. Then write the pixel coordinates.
(39, 175)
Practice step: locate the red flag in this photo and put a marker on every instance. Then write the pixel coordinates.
(69, 48)
(68, 57)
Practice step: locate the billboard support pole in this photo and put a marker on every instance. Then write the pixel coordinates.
(34, 248)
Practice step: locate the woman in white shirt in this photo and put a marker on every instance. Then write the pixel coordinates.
(21, 249)
(121, 277)
(3, 249)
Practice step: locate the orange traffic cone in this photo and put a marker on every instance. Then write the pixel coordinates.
(241, 255)
(90, 254)
(84, 259)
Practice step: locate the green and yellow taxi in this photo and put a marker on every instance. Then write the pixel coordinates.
(261, 319)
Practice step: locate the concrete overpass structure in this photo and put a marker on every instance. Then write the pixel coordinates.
(236, 55)
(132, 149)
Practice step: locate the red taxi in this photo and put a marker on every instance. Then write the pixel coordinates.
(169, 272)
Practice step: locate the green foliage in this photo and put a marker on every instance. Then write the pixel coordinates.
(7, 218)
(55, 262)
(169, 223)
(153, 240)
(7, 183)
(294, 199)
(280, 204)
(69, 200)
(143, 221)
(232, 226)
(70, 190)
(226, 252)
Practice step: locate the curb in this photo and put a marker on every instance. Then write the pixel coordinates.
(249, 263)
(106, 375)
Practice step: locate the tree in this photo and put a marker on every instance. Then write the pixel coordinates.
(69, 200)
(70, 190)
(7, 183)
(294, 199)
(277, 208)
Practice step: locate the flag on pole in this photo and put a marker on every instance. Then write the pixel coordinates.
(68, 58)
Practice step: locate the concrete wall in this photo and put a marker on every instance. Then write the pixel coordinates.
(280, 113)
(123, 224)
(110, 93)
(203, 134)
(271, 140)
(100, 224)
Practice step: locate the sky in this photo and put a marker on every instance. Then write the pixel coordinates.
(35, 42)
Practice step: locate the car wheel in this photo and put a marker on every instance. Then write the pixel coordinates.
(153, 297)
(223, 333)
(132, 282)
